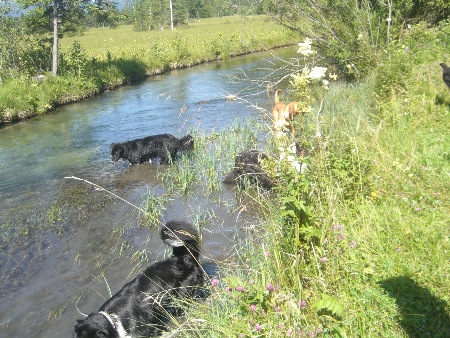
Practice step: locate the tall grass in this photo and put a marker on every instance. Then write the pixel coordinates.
(364, 252)
(200, 171)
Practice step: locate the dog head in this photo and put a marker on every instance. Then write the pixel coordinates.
(294, 108)
(187, 142)
(117, 152)
(94, 326)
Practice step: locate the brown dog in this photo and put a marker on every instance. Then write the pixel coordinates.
(283, 114)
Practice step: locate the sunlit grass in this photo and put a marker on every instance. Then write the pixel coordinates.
(373, 259)
(203, 39)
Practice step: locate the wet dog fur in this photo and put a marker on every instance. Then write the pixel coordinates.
(247, 164)
(164, 147)
(138, 309)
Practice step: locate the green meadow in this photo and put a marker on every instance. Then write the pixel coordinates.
(202, 40)
(103, 58)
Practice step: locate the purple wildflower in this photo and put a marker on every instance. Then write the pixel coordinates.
(215, 282)
(337, 227)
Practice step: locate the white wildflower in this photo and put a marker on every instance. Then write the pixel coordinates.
(305, 48)
(360, 36)
(317, 73)
(303, 168)
(332, 76)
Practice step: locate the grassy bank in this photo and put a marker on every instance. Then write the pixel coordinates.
(105, 58)
(359, 245)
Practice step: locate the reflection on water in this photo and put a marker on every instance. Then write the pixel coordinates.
(63, 243)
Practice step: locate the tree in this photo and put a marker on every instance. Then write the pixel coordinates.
(67, 13)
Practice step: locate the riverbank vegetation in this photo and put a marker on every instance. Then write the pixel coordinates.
(358, 245)
(104, 58)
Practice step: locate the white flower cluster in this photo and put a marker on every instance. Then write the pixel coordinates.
(317, 74)
(305, 48)
(288, 154)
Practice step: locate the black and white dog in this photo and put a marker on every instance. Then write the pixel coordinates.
(247, 164)
(138, 309)
(163, 146)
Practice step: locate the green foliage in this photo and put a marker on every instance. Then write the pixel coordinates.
(181, 49)
(330, 304)
(75, 62)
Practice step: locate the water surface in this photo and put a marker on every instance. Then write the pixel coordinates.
(64, 244)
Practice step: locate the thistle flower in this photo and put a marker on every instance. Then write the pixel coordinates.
(239, 288)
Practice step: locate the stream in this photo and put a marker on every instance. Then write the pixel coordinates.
(64, 244)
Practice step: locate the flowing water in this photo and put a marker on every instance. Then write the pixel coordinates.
(63, 244)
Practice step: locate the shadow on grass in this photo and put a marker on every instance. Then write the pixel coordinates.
(115, 72)
(421, 313)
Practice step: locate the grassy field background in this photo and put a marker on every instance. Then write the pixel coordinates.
(103, 58)
(201, 40)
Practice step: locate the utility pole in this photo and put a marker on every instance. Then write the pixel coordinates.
(171, 15)
(55, 38)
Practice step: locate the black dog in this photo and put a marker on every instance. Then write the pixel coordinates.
(445, 74)
(247, 164)
(164, 146)
(138, 309)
